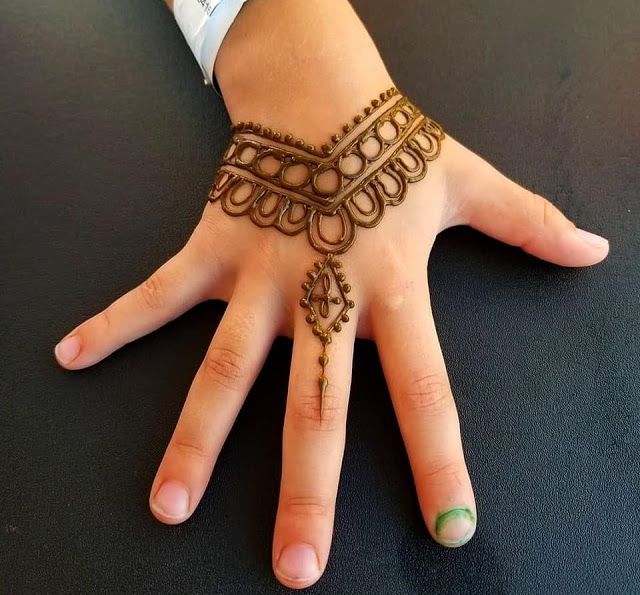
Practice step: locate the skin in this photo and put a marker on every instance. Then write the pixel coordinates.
(258, 272)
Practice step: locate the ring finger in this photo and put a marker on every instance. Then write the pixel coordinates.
(236, 355)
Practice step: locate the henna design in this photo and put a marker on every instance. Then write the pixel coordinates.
(318, 300)
(350, 182)
(283, 182)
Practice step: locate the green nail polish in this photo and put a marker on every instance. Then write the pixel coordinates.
(455, 526)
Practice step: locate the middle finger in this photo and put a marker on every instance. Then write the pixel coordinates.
(313, 446)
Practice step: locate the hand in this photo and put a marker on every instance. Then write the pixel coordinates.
(259, 271)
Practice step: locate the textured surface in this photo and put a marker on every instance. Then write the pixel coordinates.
(107, 149)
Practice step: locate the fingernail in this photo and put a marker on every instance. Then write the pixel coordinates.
(592, 239)
(171, 500)
(68, 349)
(298, 561)
(455, 527)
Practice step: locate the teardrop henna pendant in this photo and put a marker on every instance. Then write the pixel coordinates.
(283, 182)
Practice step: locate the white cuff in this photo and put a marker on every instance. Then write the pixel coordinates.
(204, 24)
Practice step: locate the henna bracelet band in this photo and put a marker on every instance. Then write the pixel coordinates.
(283, 182)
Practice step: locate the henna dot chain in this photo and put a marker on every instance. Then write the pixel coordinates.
(281, 181)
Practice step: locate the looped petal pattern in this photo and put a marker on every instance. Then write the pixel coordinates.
(285, 183)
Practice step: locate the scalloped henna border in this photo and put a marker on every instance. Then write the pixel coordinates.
(403, 159)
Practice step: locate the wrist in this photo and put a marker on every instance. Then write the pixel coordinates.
(299, 65)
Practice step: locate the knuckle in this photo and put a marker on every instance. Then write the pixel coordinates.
(212, 233)
(429, 395)
(399, 279)
(204, 235)
(152, 291)
(103, 321)
(548, 212)
(542, 209)
(545, 213)
(541, 215)
(266, 262)
(307, 411)
(397, 290)
(448, 473)
(196, 254)
(209, 219)
(189, 448)
(392, 299)
(97, 329)
(223, 366)
(307, 506)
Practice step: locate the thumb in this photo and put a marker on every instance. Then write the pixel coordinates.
(500, 208)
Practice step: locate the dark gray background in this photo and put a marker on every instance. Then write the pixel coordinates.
(109, 142)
